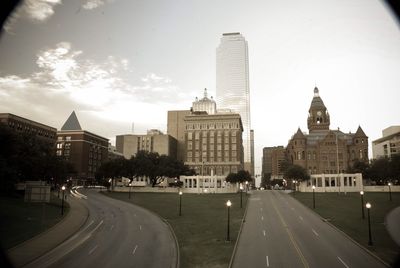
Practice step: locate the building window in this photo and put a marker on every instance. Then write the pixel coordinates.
(68, 138)
(59, 145)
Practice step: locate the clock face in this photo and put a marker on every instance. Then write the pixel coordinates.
(319, 113)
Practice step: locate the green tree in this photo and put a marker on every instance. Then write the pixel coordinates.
(26, 157)
(240, 176)
(296, 172)
(145, 164)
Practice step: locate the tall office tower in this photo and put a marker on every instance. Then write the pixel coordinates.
(233, 91)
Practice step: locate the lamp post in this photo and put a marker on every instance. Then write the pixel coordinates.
(294, 187)
(180, 203)
(313, 195)
(362, 204)
(62, 201)
(241, 191)
(130, 186)
(390, 191)
(368, 206)
(228, 204)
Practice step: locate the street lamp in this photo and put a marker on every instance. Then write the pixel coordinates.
(368, 206)
(362, 204)
(247, 186)
(228, 204)
(180, 203)
(313, 195)
(294, 187)
(62, 201)
(241, 191)
(390, 191)
(130, 186)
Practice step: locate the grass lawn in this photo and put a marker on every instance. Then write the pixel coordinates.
(21, 220)
(345, 213)
(202, 228)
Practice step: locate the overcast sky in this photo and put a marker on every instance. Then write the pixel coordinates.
(118, 62)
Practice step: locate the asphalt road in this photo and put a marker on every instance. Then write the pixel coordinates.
(116, 234)
(281, 232)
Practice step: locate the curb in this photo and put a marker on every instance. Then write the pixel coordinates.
(346, 235)
(240, 231)
(44, 233)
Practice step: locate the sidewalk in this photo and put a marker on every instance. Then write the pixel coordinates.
(35, 247)
(393, 223)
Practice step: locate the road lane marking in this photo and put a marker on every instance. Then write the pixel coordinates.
(261, 209)
(266, 258)
(314, 232)
(264, 232)
(140, 227)
(301, 218)
(292, 208)
(87, 226)
(134, 250)
(262, 218)
(112, 227)
(134, 215)
(93, 249)
(302, 258)
(345, 265)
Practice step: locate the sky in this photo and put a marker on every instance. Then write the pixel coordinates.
(122, 64)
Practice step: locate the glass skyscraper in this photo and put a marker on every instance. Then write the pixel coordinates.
(233, 90)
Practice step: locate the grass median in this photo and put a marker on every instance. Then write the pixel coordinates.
(202, 229)
(344, 211)
(21, 220)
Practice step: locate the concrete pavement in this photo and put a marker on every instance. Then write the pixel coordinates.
(37, 246)
(281, 232)
(116, 234)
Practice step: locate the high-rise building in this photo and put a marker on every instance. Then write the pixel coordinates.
(176, 129)
(233, 91)
(205, 104)
(213, 143)
(24, 125)
(154, 141)
(272, 160)
(86, 151)
(389, 144)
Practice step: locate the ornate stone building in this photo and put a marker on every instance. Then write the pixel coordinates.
(214, 143)
(324, 150)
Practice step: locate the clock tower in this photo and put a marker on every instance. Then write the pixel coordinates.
(318, 116)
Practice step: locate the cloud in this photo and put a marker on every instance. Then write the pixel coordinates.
(34, 10)
(92, 4)
(67, 81)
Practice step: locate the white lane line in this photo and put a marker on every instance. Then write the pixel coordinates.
(112, 227)
(93, 249)
(301, 218)
(314, 232)
(262, 218)
(264, 232)
(267, 259)
(87, 226)
(292, 208)
(134, 250)
(345, 265)
(261, 209)
(140, 227)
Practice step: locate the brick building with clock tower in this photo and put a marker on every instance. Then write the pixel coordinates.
(322, 150)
